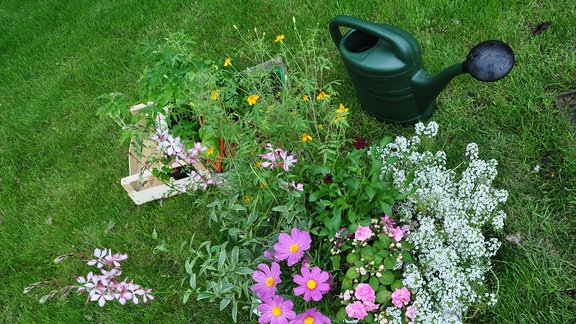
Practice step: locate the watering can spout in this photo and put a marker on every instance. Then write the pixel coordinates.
(427, 86)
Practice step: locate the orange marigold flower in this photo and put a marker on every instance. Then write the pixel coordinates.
(252, 99)
(306, 137)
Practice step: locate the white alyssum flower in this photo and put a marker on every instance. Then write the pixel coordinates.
(450, 210)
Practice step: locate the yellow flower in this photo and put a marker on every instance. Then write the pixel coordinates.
(248, 199)
(342, 109)
(339, 118)
(306, 137)
(279, 38)
(322, 95)
(341, 113)
(305, 98)
(252, 99)
(320, 126)
(210, 151)
(227, 61)
(214, 94)
(258, 163)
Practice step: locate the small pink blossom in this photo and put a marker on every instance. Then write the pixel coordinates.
(411, 311)
(397, 234)
(347, 295)
(370, 306)
(363, 233)
(356, 310)
(401, 297)
(364, 292)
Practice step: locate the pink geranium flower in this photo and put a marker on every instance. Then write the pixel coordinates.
(365, 293)
(311, 315)
(363, 233)
(356, 310)
(313, 284)
(411, 311)
(266, 280)
(401, 297)
(292, 246)
(397, 234)
(276, 310)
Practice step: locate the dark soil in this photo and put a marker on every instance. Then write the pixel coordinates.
(566, 102)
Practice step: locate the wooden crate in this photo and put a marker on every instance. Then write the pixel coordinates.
(141, 185)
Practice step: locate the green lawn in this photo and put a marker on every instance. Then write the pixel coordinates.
(60, 165)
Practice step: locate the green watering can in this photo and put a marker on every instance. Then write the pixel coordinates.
(385, 65)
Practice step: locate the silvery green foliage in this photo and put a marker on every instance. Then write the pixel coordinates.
(449, 212)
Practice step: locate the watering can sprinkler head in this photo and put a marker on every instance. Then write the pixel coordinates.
(489, 61)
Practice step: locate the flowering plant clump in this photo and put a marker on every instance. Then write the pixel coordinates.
(311, 282)
(450, 214)
(103, 285)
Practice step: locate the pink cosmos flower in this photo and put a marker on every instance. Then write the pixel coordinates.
(365, 293)
(313, 284)
(311, 315)
(266, 280)
(401, 297)
(362, 233)
(306, 262)
(356, 310)
(276, 311)
(292, 246)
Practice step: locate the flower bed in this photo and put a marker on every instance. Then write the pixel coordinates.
(312, 224)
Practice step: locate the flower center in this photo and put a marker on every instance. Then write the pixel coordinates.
(276, 311)
(309, 320)
(311, 284)
(294, 248)
(270, 282)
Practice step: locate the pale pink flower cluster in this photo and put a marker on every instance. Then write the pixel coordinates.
(174, 146)
(395, 232)
(365, 297)
(277, 158)
(105, 286)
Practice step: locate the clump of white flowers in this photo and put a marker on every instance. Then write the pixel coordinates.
(450, 213)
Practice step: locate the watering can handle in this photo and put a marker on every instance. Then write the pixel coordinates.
(385, 32)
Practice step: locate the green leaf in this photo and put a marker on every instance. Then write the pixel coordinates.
(321, 170)
(386, 208)
(374, 283)
(341, 315)
(225, 301)
(193, 281)
(383, 296)
(315, 195)
(353, 183)
(206, 295)
(336, 262)
(367, 253)
(352, 273)
(389, 263)
(186, 296)
(346, 283)
(351, 258)
(387, 277)
(370, 192)
(244, 271)
(396, 285)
